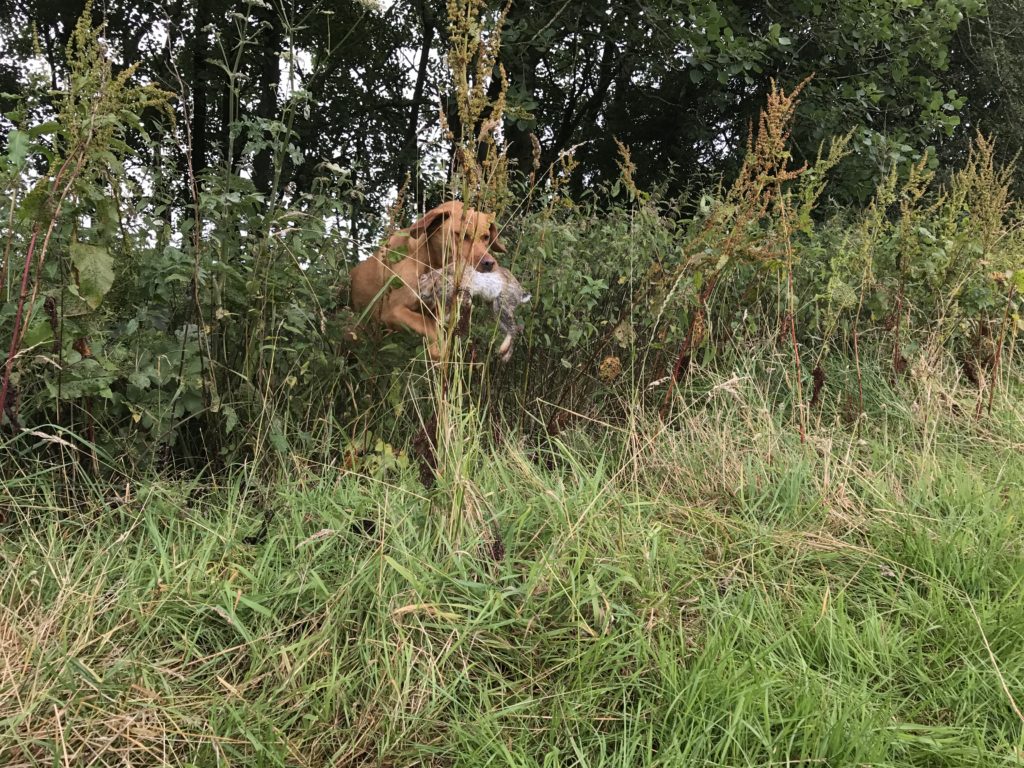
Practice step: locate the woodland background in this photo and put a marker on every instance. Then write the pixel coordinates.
(749, 492)
(677, 82)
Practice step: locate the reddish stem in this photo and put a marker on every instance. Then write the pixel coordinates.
(796, 361)
(682, 365)
(999, 347)
(16, 334)
(20, 319)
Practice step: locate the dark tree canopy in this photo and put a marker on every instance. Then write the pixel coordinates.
(677, 82)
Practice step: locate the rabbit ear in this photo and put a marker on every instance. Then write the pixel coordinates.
(526, 298)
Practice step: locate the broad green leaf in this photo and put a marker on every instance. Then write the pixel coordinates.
(94, 267)
(44, 129)
(1018, 280)
(139, 380)
(17, 147)
(230, 418)
(192, 402)
(39, 332)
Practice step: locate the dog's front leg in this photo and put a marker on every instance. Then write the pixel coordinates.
(398, 317)
(460, 312)
(455, 319)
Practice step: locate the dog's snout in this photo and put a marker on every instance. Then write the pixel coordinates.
(486, 265)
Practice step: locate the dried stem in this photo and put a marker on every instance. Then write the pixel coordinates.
(999, 347)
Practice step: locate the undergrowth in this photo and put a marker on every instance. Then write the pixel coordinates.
(144, 331)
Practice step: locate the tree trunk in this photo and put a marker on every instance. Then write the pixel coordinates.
(200, 52)
(271, 40)
(409, 153)
(523, 74)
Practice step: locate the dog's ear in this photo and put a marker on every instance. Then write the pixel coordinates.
(496, 245)
(431, 220)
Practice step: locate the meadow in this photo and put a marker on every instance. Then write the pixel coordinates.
(699, 590)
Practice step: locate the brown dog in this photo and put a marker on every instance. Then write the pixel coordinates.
(445, 234)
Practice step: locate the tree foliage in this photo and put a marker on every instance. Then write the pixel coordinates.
(677, 82)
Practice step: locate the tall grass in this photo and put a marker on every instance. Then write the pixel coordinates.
(705, 590)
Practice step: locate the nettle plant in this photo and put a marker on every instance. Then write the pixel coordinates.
(137, 321)
(937, 266)
(67, 237)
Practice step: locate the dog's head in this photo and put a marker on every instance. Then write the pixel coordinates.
(455, 232)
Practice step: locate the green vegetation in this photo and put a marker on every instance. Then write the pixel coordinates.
(749, 493)
(704, 590)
